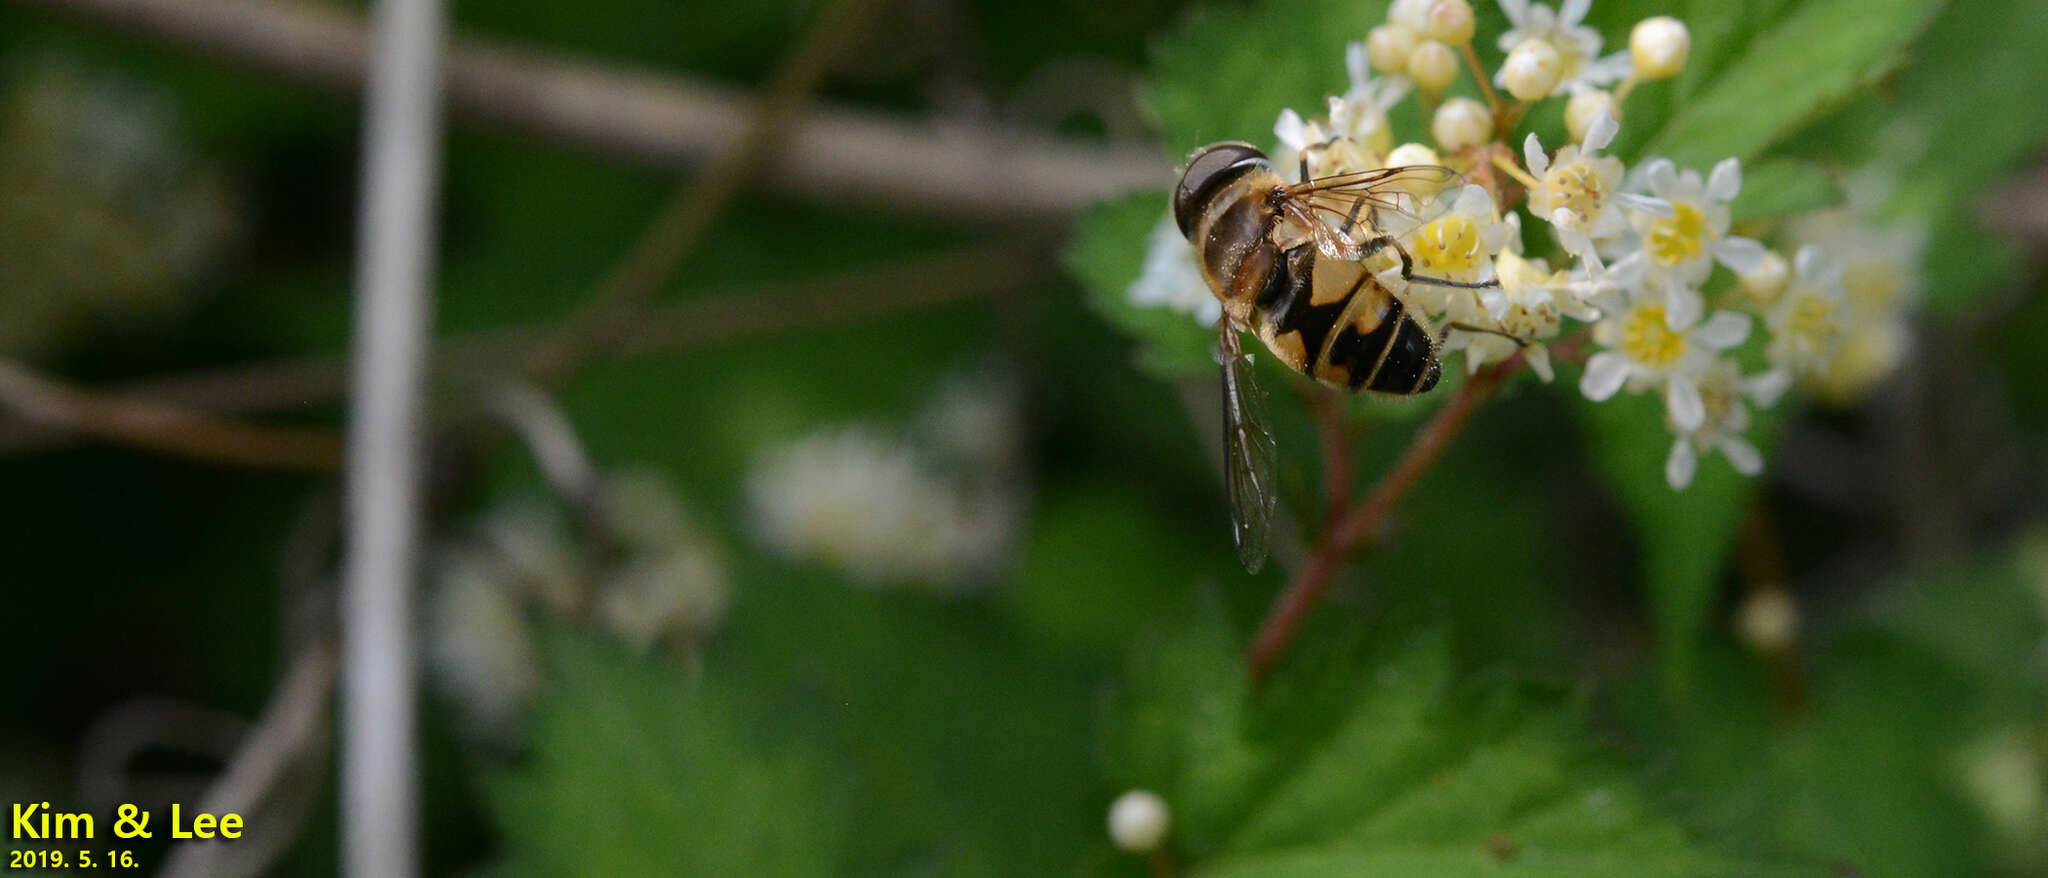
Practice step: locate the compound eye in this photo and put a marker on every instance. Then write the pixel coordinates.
(1211, 168)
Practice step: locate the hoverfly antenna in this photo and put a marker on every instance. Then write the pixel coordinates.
(1209, 169)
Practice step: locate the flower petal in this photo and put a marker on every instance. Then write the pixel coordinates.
(1292, 130)
(1765, 388)
(1517, 11)
(1538, 358)
(1358, 64)
(1605, 372)
(1662, 176)
(1532, 152)
(1572, 12)
(1683, 403)
(1724, 330)
(1741, 255)
(1679, 467)
(1726, 180)
(1742, 455)
(1651, 205)
(1683, 306)
(1601, 132)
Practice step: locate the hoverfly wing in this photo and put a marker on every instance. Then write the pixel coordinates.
(1249, 452)
(1343, 211)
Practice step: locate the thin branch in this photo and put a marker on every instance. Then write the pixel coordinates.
(1292, 607)
(949, 167)
(618, 301)
(976, 272)
(394, 293)
(161, 427)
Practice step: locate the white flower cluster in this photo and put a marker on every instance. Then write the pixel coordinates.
(937, 512)
(660, 583)
(1636, 249)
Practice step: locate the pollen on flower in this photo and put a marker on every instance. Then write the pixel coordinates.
(1447, 246)
(1646, 337)
(1679, 238)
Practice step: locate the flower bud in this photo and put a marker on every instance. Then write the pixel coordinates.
(1388, 46)
(1768, 281)
(1450, 21)
(1461, 122)
(1138, 821)
(1659, 47)
(1532, 70)
(1583, 108)
(1433, 66)
(1769, 620)
(1412, 154)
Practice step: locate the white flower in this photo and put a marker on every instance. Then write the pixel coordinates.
(1139, 821)
(1643, 349)
(1433, 66)
(1529, 305)
(1881, 280)
(1577, 46)
(1586, 105)
(1806, 323)
(1725, 396)
(1360, 114)
(1578, 191)
(1459, 245)
(1171, 278)
(1680, 243)
(857, 499)
(669, 585)
(677, 596)
(479, 652)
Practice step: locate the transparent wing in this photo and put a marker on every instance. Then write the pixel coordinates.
(1344, 211)
(1249, 452)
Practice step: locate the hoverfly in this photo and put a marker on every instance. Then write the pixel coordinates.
(1287, 260)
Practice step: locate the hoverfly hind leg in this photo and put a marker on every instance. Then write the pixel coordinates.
(1445, 333)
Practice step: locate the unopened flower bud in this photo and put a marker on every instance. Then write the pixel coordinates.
(1138, 821)
(1450, 21)
(1433, 66)
(1412, 154)
(1389, 46)
(1461, 122)
(1532, 70)
(1584, 107)
(1659, 47)
(1769, 620)
(1768, 281)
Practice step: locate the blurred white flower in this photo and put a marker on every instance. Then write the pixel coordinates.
(1881, 283)
(1806, 323)
(668, 587)
(1725, 397)
(855, 498)
(1577, 46)
(1171, 278)
(1642, 349)
(479, 652)
(1139, 821)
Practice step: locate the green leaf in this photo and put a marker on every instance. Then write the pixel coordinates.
(636, 770)
(1379, 764)
(1877, 770)
(1971, 99)
(1783, 186)
(1818, 54)
(1685, 534)
(1107, 253)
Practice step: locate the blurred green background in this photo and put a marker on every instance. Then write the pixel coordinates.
(1506, 688)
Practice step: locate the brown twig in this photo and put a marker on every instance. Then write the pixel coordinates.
(949, 167)
(1302, 594)
(975, 272)
(1328, 409)
(162, 427)
(618, 302)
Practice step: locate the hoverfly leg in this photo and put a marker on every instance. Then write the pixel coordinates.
(1467, 327)
(1408, 268)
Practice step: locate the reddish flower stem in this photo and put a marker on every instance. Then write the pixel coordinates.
(1329, 413)
(1300, 597)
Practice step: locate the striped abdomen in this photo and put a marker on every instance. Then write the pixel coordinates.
(1333, 321)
